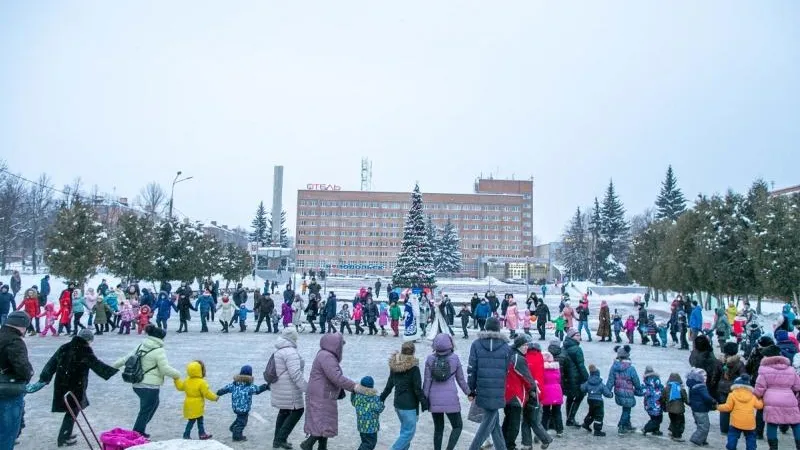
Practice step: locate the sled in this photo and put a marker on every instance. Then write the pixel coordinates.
(121, 439)
(70, 397)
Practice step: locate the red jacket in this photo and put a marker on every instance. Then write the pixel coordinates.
(536, 367)
(518, 381)
(31, 305)
(65, 305)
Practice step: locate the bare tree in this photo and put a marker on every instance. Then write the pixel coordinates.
(152, 199)
(39, 214)
(12, 190)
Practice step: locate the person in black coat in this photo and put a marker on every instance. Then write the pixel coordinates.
(265, 308)
(371, 316)
(578, 375)
(312, 310)
(702, 357)
(641, 324)
(71, 365)
(184, 307)
(473, 302)
(330, 311)
(489, 357)
(406, 381)
(542, 317)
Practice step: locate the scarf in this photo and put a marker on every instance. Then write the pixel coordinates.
(674, 391)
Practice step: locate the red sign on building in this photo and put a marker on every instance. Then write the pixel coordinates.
(323, 187)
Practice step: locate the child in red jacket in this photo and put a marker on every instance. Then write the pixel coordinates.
(31, 305)
(144, 318)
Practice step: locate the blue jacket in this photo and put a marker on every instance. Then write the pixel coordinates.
(163, 307)
(147, 298)
(696, 319)
(112, 301)
(699, 398)
(368, 411)
(204, 304)
(482, 311)
(624, 380)
(242, 391)
(652, 395)
(594, 388)
(243, 313)
(44, 287)
(7, 302)
(489, 357)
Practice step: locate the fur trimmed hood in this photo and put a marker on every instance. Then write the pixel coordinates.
(244, 379)
(552, 365)
(400, 363)
(492, 335)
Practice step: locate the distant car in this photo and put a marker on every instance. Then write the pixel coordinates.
(515, 281)
(368, 276)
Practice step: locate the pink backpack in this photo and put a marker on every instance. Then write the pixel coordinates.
(119, 439)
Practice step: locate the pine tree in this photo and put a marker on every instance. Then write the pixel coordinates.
(434, 242)
(284, 237)
(614, 237)
(131, 251)
(670, 202)
(450, 257)
(235, 263)
(259, 225)
(414, 261)
(575, 252)
(75, 243)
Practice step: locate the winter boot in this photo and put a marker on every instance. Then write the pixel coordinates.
(773, 444)
(796, 445)
(598, 429)
(308, 444)
(323, 443)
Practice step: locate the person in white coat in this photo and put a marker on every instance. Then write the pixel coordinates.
(225, 313)
(287, 392)
(298, 306)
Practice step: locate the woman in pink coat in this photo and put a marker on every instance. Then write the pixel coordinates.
(777, 384)
(552, 396)
(512, 319)
(569, 314)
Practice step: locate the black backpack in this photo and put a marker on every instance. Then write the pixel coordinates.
(271, 372)
(133, 372)
(441, 369)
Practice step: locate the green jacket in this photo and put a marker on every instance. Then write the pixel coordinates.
(395, 313)
(560, 323)
(154, 363)
(101, 312)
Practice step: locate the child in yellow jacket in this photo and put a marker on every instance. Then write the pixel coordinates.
(197, 391)
(742, 405)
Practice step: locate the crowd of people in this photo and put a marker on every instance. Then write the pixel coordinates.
(753, 386)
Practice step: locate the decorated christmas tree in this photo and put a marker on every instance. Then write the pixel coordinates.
(415, 261)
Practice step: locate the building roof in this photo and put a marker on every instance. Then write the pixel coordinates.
(786, 191)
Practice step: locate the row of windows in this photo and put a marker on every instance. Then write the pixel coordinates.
(371, 244)
(398, 215)
(399, 234)
(347, 224)
(329, 252)
(407, 205)
(301, 263)
(396, 242)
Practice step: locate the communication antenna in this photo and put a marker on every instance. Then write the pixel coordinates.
(366, 174)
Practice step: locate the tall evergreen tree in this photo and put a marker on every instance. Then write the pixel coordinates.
(235, 263)
(260, 226)
(670, 202)
(415, 260)
(284, 237)
(75, 242)
(575, 251)
(131, 251)
(614, 237)
(450, 257)
(434, 242)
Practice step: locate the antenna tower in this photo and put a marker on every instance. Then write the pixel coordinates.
(366, 174)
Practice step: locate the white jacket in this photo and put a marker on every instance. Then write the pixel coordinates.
(287, 392)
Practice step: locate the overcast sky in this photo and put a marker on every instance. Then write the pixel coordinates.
(121, 93)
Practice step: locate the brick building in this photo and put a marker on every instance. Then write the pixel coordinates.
(359, 232)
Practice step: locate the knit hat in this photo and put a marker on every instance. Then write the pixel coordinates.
(648, 371)
(771, 350)
(781, 335)
(246, 370)
(730, 348)
(696, 374)
(743, 380)
(492, 324)
(18, 319)
(155, 331)
(290, 334)
(573, 333)
(407, 348)
(765, 341)
(520, 341)
(593, 369)
(623, 351)
(367, 382)
(86, 335)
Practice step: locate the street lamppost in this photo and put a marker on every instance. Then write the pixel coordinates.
(172, 192)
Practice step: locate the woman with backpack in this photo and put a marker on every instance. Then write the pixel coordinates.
(287, 385)
(443, 377)
(146, 367)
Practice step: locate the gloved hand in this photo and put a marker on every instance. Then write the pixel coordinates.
(265, 387)
(34, 387)
(219, 393)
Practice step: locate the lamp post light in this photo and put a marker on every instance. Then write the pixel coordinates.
(172, 191)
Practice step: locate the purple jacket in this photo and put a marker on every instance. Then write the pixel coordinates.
(777, 384)
(324, 384)
(443, 395)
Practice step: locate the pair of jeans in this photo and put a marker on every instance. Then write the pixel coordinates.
(3, 319)
(584, 324)
(702, 426)
(204, 322)
(368, 441)
(10, 420)
(733, 438)
(438, 429)
(201, 429)
(654, 424)
(238, 425)
(162, 323)
(148, 404)
(625, 418)
(490, 426)
(67, 425)
(77, 322)
(551, 419)
(90, 322)
(677, 423)
(772, 431)
(285, 423)
(408, 427)
(512, 421)
(532, 422)
(342, 326)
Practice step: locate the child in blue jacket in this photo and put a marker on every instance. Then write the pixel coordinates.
(162, 309)
(653, 389)
(595, 390)
(701, 402)
(243, 316)
(368, 411)
(242, 391)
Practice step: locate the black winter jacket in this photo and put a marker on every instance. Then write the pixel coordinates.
(542, 313)
(577, 366)
(488, 365)
(567, 373)
(14, 360)
(406, 380)
(583, 313)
